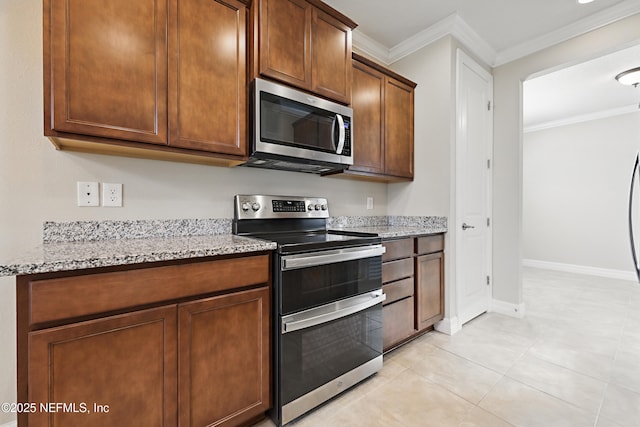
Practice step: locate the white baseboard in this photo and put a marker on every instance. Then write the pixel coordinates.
(580, 269)
(507, 308)
(10, 424)
(448, 325)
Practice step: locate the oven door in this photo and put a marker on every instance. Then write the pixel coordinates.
(328, 349)
(313, 279)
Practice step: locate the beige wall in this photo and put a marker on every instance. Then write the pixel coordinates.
(508, 78)
(38, 183)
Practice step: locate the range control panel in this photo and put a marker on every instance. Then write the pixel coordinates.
(265, 207)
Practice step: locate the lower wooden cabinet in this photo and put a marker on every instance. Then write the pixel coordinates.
(192, 361)
(223, 359)
(116, 371)
(413, 281)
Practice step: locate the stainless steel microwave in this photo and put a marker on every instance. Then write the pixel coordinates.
(292, 130)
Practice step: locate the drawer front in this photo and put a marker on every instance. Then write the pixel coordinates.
(398, 290)
(397, 322)
(396, 249)
(69, 297)
(429, 244)
(396, 270)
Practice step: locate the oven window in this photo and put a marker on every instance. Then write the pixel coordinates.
(315, 286)
(314, 356)
(288, 122)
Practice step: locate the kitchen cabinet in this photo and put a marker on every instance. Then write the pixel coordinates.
(398, 285)
(185, 343)
(413, 281)
(303, 43)
(383, 120)
(429, 280)
(148, 78)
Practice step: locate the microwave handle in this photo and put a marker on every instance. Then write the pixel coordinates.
(341, 134)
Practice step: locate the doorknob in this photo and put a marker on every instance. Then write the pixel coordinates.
(465, 226)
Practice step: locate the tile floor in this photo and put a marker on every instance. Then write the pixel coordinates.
(574, 360)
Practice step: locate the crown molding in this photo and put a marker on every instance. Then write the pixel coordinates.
(612, 14)
(582, 118)
(367, 46)
(455, 26)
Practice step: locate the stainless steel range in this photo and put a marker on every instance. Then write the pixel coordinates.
(327, 300)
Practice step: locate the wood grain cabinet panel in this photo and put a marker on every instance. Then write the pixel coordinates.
(285, 34)
(397, 322)
(106, 68)
(398, 138)
(383, 109)
(207, 76)
(127, 362)
(224, 341)
(367, 101)
(430, 289)
(304, 44)
(330, 57)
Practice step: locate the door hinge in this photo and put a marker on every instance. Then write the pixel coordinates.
(488, 280)
(488, 163)
(488, 222)
(488, 105)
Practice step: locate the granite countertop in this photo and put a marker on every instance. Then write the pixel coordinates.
(91, 244)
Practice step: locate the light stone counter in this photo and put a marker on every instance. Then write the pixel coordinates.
(91, 244)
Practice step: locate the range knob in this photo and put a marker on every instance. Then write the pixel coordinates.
(310, 207)
(323, 207)
(255, 206)
(317, 207)
(245, 206)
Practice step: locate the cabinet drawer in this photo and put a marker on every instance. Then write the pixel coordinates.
(429, 244)
(397, 322)
(397, 290)
(395, 270)
(396, 249)
(70, 297)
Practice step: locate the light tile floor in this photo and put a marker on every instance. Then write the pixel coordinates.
(574, 360)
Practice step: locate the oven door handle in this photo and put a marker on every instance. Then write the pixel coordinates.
(291, 262)
(333, 311)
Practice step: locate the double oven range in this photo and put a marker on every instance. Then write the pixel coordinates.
(327, 300)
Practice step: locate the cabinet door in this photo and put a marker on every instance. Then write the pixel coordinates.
(398, 129)
(429, 289)
(285, 34)
(126, 362)
(224, 358)
(207, 75)
(106, 68)
(331, 57)
(368, 119)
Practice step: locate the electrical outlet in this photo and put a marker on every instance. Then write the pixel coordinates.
(88, 194)
(369, 203)
(111, 195)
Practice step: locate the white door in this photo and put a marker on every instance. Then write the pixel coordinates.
(474, 141)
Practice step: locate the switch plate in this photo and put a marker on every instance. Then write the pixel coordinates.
(112, 195)
(88, 194)
(369, 202)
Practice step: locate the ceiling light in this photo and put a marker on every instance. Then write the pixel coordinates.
(630, 77)
(584, 1)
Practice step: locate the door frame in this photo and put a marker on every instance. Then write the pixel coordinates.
(462, 59)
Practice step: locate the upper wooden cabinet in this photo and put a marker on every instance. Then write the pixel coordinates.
(171, 73)
(306, 44)
(105, 68)
(383, 111)
(208, 76)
